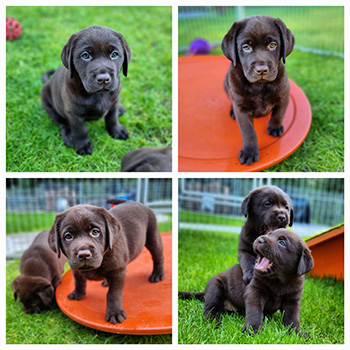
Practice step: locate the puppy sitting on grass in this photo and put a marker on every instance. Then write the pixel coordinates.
(277, 284)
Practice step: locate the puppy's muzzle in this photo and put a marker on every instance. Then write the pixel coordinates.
(84, 254)
(103, 79)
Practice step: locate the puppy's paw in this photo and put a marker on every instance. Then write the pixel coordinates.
(117, 316)
(275, 131)
(249, 155)
(84, 148)
(121, 110)
(76, 296)
(156, 276)
(250, 330)
(119, 132)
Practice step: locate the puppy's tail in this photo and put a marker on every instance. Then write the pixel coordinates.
(190, 295)
(46, 76)
(116, 201)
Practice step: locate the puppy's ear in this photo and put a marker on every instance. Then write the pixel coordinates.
(112, 227)
(229, 45)
(127, 54)
(306, 262)
(287, 39)
(14, 286)
(67, 55)
(246, 203)
(291, 217)
(54, 238)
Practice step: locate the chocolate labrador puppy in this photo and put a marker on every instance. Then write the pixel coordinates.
(41, 272)
(148, 159)
(99, 244)
(256, 82)
(87, 86)
(282, 260)
(267, 208)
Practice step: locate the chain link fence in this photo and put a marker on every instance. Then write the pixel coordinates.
(318, 29)
(32, 204)
(215, 204)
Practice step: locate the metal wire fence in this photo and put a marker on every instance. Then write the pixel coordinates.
(215, 204)
(318, 29)
(32, 204)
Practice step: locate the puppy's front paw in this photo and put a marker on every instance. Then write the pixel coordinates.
(156, 276)
(84, 148)
(76, 296)
(249, 155)
(117, 316)
(119, 132)
(275, 131)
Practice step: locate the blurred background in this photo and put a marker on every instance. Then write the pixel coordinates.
(318, 29)
(214, 205)
(32, 204)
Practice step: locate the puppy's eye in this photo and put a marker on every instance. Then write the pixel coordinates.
(267, 204)
(246, 48)
(85, 56)
(287, 207)
(114, 55)
(272, 45)
(282, 243)
(68, 236)
(95, 232)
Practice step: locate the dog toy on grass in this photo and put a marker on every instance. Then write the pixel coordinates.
(13, 29)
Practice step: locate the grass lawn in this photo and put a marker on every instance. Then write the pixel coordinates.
(321, 77)
(202, 255)
(34, 143)
(54, 327)
(205, 218)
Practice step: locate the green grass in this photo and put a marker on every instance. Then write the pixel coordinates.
(53, 327)
(202, 255)
(205, 218)
(321, 77)
(34, 143)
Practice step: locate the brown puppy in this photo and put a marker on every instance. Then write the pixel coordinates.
(87, 86)
(267, 209)
(99, 244)
(41, 272)
(256, 82)
(148, 159)
(277, 284)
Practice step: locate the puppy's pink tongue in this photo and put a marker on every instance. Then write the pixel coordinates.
(263, 264)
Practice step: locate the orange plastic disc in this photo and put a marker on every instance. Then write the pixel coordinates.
(209, 140)
(147, 305)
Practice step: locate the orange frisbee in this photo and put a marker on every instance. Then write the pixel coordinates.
(147, 305)
(209, 140)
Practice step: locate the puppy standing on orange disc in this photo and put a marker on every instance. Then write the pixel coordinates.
(256, 82)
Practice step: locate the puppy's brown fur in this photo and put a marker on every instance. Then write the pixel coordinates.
(266, 208)
(41, 272)
(256, 82)
(87, 86)
(277, 284)
(99, 244)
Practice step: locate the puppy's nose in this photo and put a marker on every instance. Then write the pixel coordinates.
(260, 240)
(263, 69)
(281, 217)
(103, 79)
(84, 254)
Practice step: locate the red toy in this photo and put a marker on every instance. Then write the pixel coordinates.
(13, 29)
